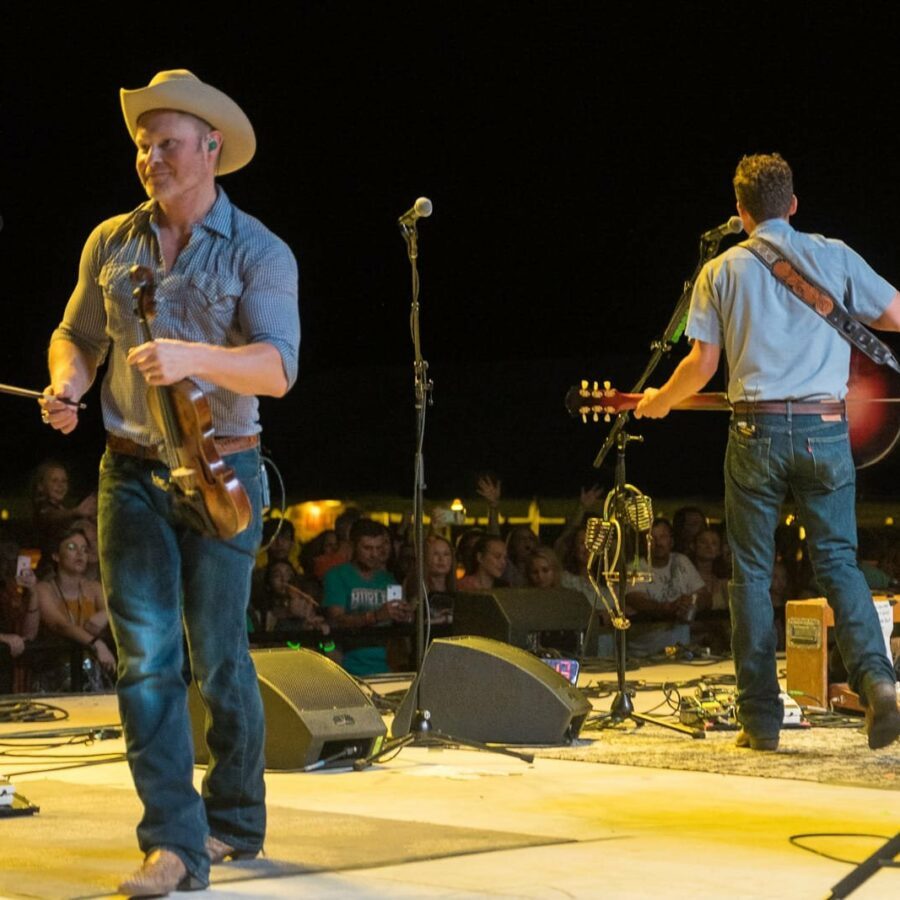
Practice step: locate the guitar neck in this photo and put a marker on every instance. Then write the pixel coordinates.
(593, 401)
(712, 401)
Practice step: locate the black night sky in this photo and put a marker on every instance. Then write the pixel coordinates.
(574, 151)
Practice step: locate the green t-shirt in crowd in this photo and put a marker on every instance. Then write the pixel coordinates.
(347, 588)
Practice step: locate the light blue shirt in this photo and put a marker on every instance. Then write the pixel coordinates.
(235, 283)
(777, 348)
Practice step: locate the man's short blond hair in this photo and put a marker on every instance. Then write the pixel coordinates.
(203, 127)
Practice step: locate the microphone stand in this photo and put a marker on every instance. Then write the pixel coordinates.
(663, 345)
(421, 733)
(622, 706)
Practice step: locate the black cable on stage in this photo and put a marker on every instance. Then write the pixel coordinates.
(795, 840)
(37, 746)
(31, 711)
(282, 509)
(28, 753)
(97, 762)
(832, 720)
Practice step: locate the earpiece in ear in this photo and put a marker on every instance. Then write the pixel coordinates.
(212, 145)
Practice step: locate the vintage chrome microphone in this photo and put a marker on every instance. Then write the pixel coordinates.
(639, 510)
(636, 510)
(599, 536)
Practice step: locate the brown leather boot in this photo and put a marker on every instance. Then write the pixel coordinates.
(161, 872)
(882, 715)
(218, 851)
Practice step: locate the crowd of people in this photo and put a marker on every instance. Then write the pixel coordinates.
(340, 590)
(54, 625)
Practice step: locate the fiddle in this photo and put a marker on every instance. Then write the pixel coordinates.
(208, 494)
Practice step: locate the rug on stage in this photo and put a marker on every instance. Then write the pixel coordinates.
(82, 843)
(829, 755)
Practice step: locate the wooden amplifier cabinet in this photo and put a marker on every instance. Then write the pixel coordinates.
(806, 641)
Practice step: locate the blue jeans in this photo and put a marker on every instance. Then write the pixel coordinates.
(163, 581)
(767, 454)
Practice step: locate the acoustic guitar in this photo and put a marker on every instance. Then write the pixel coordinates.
(873, 407)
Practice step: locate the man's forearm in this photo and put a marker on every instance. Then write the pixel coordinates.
(72, 370)
(252, 369)
(691, 375)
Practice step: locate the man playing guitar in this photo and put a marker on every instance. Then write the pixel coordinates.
(787, 383)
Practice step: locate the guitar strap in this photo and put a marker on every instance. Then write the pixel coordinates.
(821, 302)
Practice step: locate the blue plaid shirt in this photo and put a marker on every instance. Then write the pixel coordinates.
(235, 283)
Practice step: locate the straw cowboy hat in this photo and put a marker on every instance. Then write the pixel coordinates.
(183, 91)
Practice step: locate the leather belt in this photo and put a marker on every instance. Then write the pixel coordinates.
(224, 445)
(792, 407)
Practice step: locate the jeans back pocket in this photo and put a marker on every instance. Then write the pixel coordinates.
(832, 461)
(747, 459)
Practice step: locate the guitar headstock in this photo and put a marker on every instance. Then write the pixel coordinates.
(593, 400)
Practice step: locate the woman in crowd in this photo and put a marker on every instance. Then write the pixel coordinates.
(712, 629)
(706, 551)
(521, 542)
(74, 607)
(324, 544)
(574, 556)
(544, 569)
(288, 608)
(52, 516)
(489, 565)
(440, 579)
(465, 551)
(19, 612)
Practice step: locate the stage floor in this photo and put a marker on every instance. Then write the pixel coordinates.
(551, 829)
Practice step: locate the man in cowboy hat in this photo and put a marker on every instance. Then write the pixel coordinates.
(226, 317)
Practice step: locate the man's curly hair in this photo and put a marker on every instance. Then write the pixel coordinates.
(764, 186)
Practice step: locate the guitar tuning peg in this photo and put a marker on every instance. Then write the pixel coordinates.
(584, 418)
(595, 385)
(584, 384)
(606, 418)
(596, 417)
(606, 385)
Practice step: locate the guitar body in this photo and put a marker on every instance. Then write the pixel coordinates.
(873, 416)
(874, 424)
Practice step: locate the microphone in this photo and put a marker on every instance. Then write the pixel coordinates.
(639, 512)
(597, 533)
(733, 226)
(421, 209)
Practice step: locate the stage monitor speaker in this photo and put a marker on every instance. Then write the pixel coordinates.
(523, 616)
(486, 691)
(313, 710)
